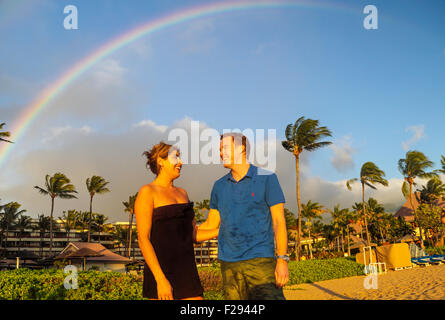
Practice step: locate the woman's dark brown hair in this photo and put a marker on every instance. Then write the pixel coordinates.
(159, 150)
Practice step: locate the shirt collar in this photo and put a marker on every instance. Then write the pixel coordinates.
(250, 173)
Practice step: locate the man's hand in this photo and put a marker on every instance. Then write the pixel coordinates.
(281, 273)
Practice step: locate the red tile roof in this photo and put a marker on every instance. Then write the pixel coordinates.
(105, 254)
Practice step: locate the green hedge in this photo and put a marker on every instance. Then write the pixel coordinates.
(309, 271)
(25, 284)
(435, 250)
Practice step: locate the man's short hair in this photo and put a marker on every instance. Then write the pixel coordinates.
(238, 139)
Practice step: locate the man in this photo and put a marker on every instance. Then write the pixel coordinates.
(248, 206)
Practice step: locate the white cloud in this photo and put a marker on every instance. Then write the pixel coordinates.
(343, 151)
(108, 73)
(418, 133)
(152, 124)
(58, 132)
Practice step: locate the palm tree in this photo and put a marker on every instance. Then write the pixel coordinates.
(69, 222)
(442, 163)
(376, 213)
(23, 222)
(11, 213)
(413, 166)
(56, 186)
(310, 211)
(43, 225)
(358, 207)
(95, 185)
(82, 221)
(99, 222)
(120, 235)
(129, 207)
(370, 174)
(431, 192)
(4, 134)
(340, 221)
(304, 134)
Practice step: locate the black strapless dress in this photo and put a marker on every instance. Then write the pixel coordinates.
(172, 240)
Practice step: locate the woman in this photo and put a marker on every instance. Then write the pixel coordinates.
(167, 230)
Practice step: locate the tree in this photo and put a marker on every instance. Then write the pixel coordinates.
(4, 134)
(377, 219)
(10, 215)
(23, 222)
(119, 235)
(201, 209)
(370, 174)
(358, 208)
(69, 222)
(399, 228)
(129, 207)
(95, 184)
(82, 222)
(56, 186)
(414, 165)
(99, 222)
(430, 218)
(339, 221)
(304, 134)
(442, 163)
(43, 225)
(310, 211)
(431, 192)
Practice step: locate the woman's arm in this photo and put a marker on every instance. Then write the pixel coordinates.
(143, 209)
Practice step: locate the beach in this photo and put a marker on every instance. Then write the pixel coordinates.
(420, 283)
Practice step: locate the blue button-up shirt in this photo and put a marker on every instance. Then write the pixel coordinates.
(246, 230)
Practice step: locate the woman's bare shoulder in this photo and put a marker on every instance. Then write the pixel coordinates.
(147, 190)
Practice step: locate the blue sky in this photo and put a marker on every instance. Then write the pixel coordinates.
(259, 69)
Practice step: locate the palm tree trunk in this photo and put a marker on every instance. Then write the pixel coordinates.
(51, 227)
(364, 214)
(298, 243)
(130, 230)
(6, 239)
(342, 242)
(349, 249)
(309, 244)
(415, 215)
(89, 220)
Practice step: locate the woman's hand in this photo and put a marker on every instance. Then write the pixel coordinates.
(165, 290)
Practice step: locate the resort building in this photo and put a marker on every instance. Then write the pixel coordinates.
(36, 244)
(86, 256)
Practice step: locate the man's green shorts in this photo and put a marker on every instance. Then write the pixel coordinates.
(252, 279)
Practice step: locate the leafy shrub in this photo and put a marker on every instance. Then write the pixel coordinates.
(25, 284)
(435, 250)
(309, 271)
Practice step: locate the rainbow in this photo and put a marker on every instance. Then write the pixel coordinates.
(43, 98)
